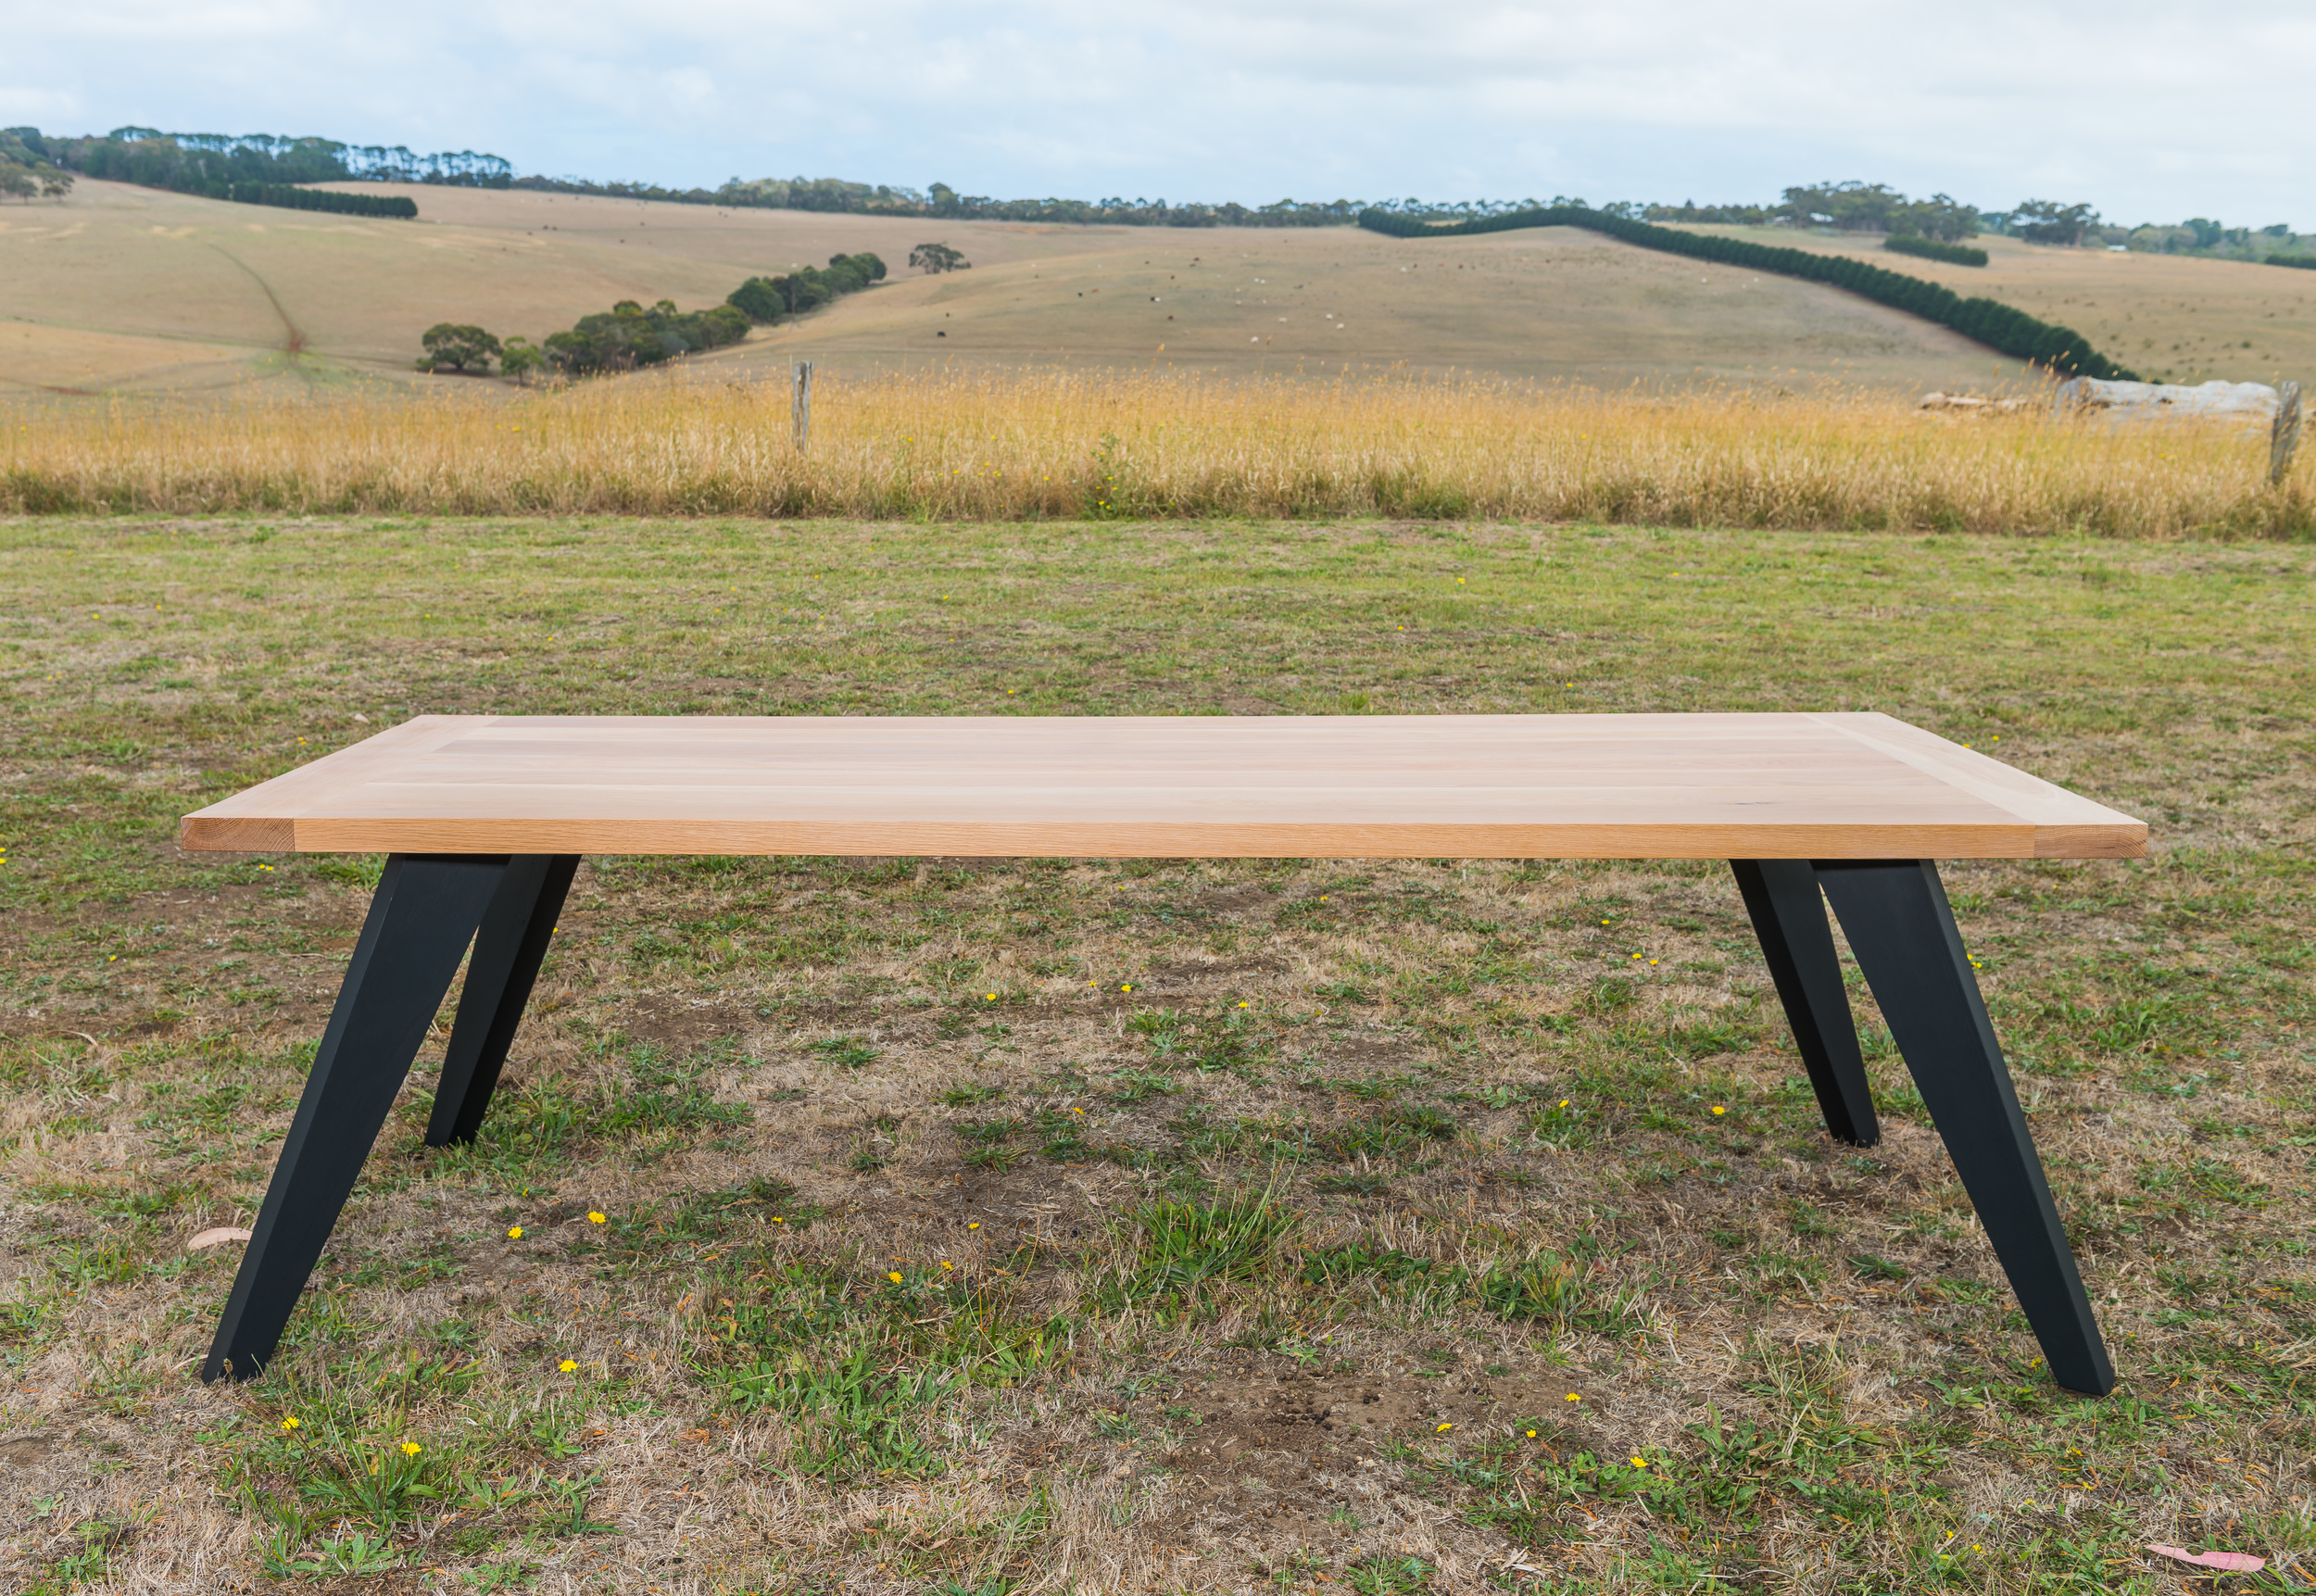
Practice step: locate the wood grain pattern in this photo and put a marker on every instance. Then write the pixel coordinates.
(1518, 787)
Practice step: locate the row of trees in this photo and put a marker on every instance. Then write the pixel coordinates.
(1934, 249)
(1997, 326)
(398, 206)
(1877, 208)
(942, 201)
(204, 163)
(630, 335)
(627, 337)
(2204, 235)
(33, 163)
(767, 299)
(1857, 206)
(1847, 207)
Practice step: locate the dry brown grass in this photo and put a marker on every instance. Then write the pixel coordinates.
(934, 445)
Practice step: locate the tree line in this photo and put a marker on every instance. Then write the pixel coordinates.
(397, 205)
(767, 299)
(196, 162)
(941, 202)
(1999, 326)
(256, 168)
(630, 336)
(1853, 207)
(1930, 249)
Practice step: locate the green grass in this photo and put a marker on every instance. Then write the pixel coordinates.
(1237, 1144)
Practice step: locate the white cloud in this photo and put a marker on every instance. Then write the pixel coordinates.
(2147, 111)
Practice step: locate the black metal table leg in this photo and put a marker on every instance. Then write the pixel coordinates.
(423, 916)
(507, 951)
(1900, 927)
(1788, 910)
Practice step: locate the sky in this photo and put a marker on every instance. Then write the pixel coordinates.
(2148, 111)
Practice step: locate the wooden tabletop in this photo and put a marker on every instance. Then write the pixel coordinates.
(1505, 786)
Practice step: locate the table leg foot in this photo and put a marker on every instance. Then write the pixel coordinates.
(508, 951)
(423, 916)
(1900, 927)
(1788, 910)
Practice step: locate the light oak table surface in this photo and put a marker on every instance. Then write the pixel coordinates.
(1509, 787)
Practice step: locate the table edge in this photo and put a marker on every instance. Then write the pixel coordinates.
(202, 832)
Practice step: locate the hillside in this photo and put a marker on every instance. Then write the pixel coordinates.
(122, 289)
(2175, 318)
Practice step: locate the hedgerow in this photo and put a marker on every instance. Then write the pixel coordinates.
(1998, 326)
(1932, 249)
(290, 199)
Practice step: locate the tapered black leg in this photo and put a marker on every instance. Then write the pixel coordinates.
(1788, 913)
(420, 920)
(507, 951)
(1896, 916)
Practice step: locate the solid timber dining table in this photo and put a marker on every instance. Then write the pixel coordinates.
(485, 818)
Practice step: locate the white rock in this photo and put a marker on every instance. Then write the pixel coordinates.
(2205, 401)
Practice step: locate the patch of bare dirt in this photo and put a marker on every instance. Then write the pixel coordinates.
(683, 1022)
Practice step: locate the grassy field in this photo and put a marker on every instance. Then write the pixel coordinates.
(954, 1226)
(1162, 446)
(130, 290)
(2170, 318)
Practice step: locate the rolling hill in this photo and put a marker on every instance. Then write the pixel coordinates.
(130, 290)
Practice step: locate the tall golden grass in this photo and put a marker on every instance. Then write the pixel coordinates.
(951, 446)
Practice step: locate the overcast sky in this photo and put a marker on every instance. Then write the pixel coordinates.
(2150, 112)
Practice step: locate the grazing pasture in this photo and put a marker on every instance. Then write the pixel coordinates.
(128, 290)
(966, 1226)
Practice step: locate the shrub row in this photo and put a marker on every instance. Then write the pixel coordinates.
(769, 299)
(627, 336)
(1932, 249)
(1998, 326)
(2305, 262)
(290, 199)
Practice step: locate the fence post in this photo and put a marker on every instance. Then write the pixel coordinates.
(804, 405)
(2285, 437)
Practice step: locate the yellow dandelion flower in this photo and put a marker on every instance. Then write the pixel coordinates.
(972, 1224)
(947, 1265)
(1574, 1397)
(1531, 1435)
(1640, 1462)
(514, 1233)
(411, 1449)
(1719, 1109)
(290, 1423)
(1443, 1429)
(594, 1218)
(568, 1364)
(893, 1275)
